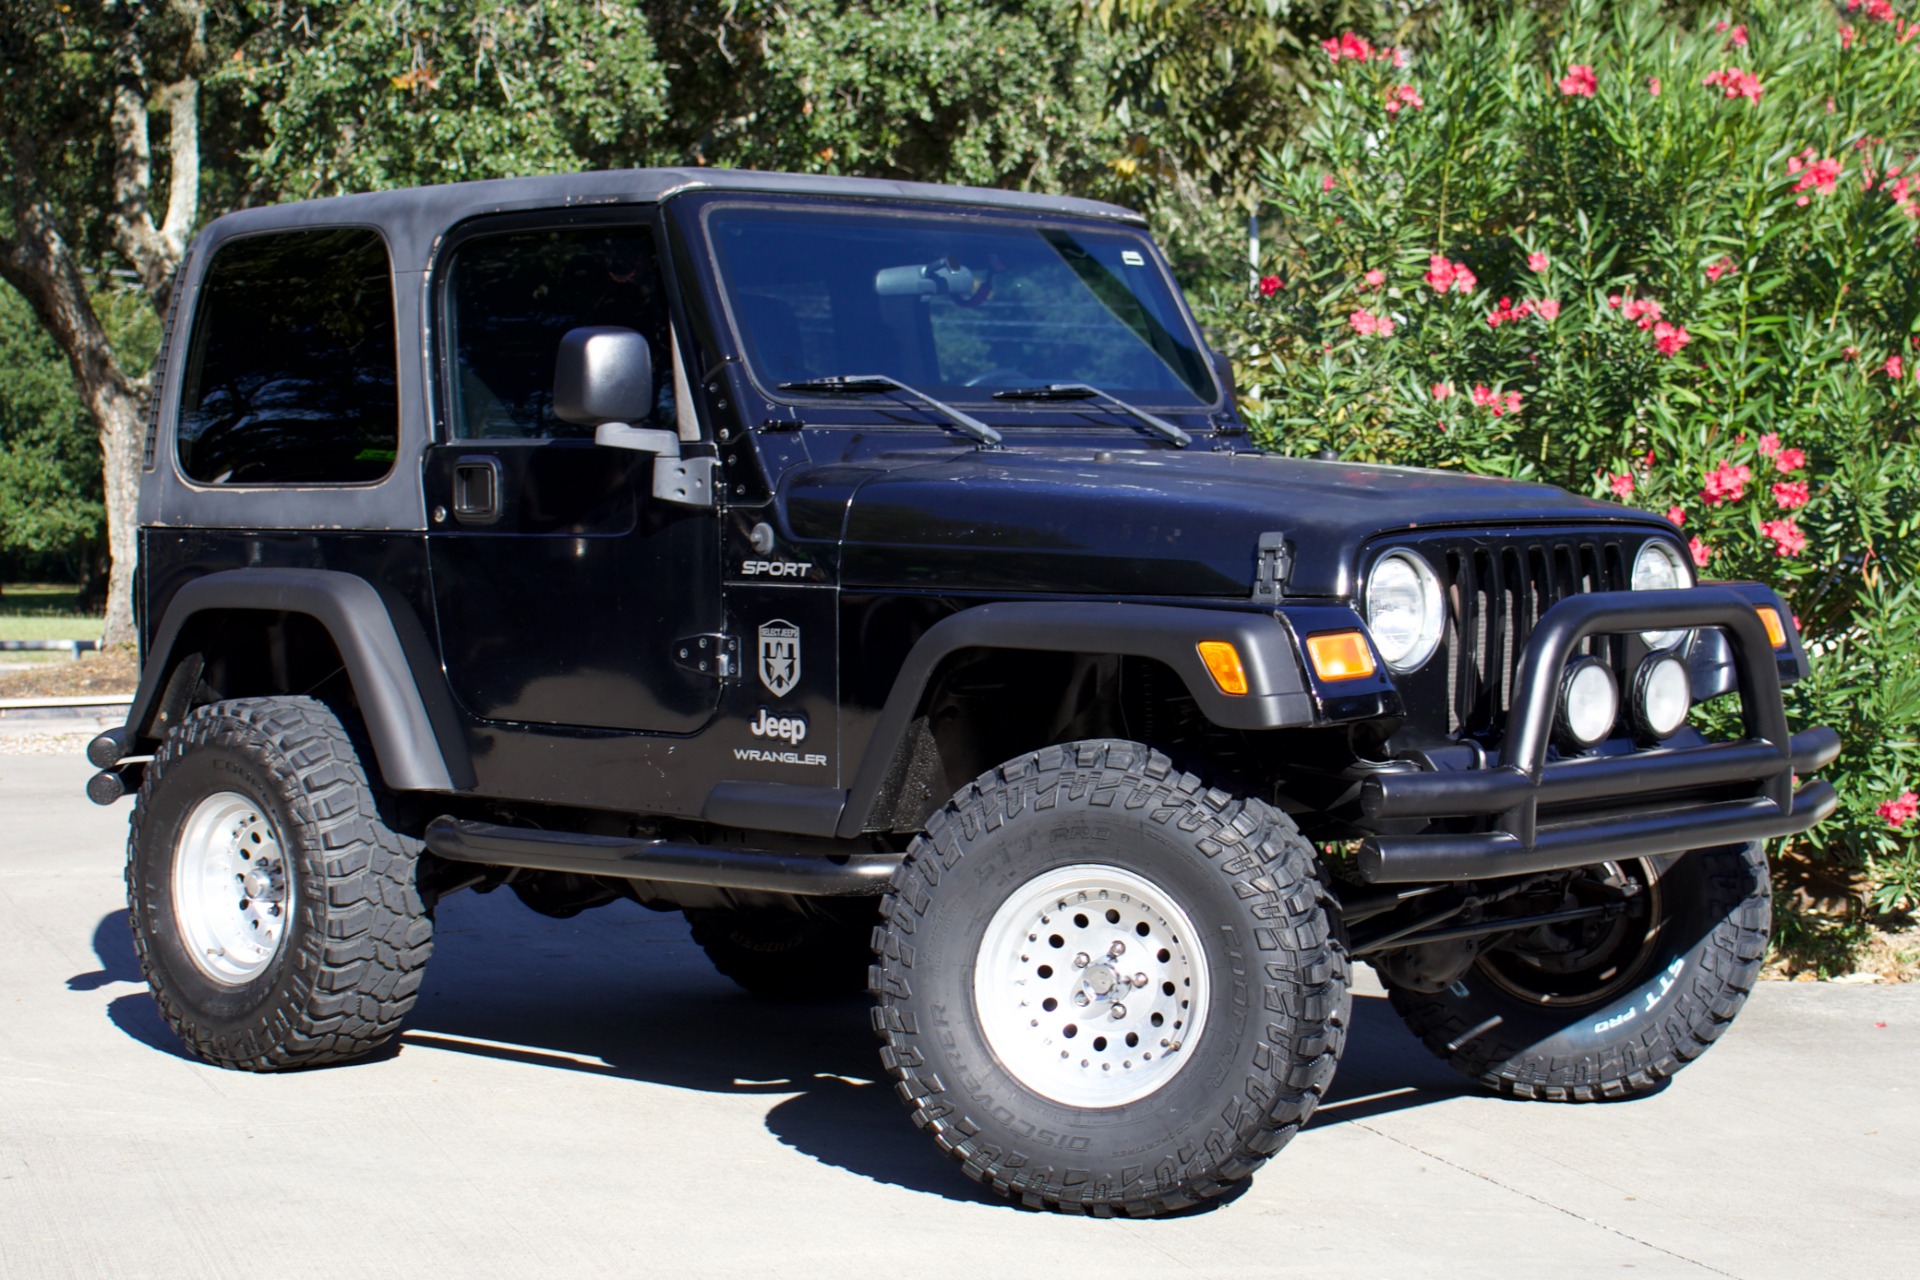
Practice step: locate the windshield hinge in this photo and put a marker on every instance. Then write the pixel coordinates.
(711, 654)
(1275, 563)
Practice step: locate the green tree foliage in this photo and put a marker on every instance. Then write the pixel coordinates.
(1689, 263)
(51, 514)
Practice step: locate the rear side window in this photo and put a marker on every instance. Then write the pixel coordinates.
(511, 297)
(291, 375)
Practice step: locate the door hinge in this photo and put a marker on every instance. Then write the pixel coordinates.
(711, 654)
(1275, 563)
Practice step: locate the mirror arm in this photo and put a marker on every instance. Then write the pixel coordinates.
(686, 482)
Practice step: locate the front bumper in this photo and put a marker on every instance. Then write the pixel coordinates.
(1528, 814)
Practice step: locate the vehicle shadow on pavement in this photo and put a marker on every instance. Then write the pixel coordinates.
(624, 992)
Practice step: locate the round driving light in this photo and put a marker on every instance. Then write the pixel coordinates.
(1589, 703)
(1662, 696)
(1659, 567)
(1405, 615)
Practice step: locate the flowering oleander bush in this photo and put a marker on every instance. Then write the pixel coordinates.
(1674, 266)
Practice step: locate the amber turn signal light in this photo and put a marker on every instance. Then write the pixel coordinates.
(1223, 663)
(1776, 631)
(1340, 655)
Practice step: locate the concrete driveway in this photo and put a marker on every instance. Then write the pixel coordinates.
(586, 1097)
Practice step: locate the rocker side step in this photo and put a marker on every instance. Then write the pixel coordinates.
(662, 861)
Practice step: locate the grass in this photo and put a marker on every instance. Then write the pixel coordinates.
(40, 611)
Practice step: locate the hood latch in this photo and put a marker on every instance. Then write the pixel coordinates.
(1275, 563)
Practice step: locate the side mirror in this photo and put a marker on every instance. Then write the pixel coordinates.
(603, 374)
(603, 378)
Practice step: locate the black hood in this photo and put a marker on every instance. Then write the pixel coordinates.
(1146, 521)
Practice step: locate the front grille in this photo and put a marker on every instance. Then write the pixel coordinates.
(1496, 589)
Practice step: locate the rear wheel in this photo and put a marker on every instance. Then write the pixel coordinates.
(1608, 1008)
(277, 919)
(1103, 987)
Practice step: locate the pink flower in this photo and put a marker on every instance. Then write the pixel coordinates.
(1441, 390)
(1724, 267)
(1668, 340)
(1536, 262)
(1846, 36)
(1512, 404)
(1366, 324)
(1443, 275)
(1895, 369)
(1349, 46)
(1613, 300)
(1790, 494)
(1549, 308)
(1579, 82)
(1375, 279)
(1820, 175)
(1653, 86)
(1676, 516)
(1701, 551)
(1726, 483)
(1644, 312)
(1622, 484)
(1788, 540)
(1900, 811)
(1326, 182)
(1404, 96)
(1270, 285)
(1788, 461)
(1880, 11)
(1737, 83)
(1737, 38)
(1483, 397)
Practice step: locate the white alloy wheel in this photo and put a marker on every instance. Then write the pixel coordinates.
(231, 888)
(1090, 986)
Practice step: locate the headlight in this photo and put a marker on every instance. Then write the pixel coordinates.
(1662, 695)
(1405, 614)
(1659, 567)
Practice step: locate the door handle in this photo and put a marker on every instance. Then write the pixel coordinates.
(476, 489)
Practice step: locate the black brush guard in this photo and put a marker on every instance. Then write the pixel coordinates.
(1522, 781)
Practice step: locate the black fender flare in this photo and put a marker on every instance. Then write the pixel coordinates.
(1277, 696)
(410, 753)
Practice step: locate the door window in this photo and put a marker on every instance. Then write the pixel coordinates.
(510, 299)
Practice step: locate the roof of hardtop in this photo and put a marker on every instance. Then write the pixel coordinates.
(441, 206)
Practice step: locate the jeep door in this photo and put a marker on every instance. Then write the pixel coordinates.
(561, 583)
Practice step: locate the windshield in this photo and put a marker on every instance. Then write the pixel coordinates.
(958, 306)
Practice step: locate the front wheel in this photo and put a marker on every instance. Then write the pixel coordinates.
(1103, 987)
(1611, 1009)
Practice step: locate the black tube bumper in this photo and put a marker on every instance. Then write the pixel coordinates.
(1617, 806)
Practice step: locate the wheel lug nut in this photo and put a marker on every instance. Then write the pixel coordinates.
(1119, 1012)
(1117, 950)
(1139, 979)
(1081, 961)
(1080, 998)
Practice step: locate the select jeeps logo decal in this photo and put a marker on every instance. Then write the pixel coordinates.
(786, 728)
(779, 656)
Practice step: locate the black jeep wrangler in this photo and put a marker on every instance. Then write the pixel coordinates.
(879, 574)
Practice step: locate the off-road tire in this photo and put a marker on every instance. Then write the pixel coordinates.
(1712, 941)
(1267, 935)
(357, 934)
(787, 955)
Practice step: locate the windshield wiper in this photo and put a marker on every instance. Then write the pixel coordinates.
(861, 384)
(1081, 391)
